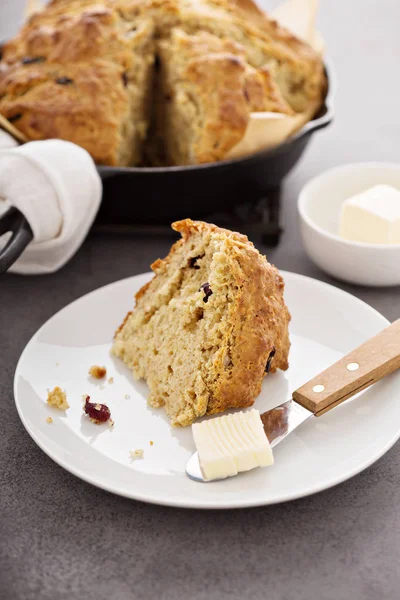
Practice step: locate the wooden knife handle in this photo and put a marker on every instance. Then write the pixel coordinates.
(359, 369)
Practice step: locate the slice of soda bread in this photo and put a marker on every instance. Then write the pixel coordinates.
(208, 327)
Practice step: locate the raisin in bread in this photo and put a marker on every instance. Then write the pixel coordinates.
(204, 329)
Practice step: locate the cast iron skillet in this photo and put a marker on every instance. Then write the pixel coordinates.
(164, 194)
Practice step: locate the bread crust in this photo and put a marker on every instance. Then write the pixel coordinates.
(66, 76)
(298, 69)
(258, 324)
(211, 91)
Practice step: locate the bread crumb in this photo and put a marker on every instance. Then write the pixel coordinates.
(97, 372)
(111, 380)
(49, 420)
(58, 398)
(151, 443)
(57, 364)
(127, 396)
(135, 454)
(111, 423)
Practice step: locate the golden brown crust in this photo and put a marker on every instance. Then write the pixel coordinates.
(259, 323)
(142, 290)
(43, 111)
(66, 76)
(299, 69)
(205, 112)
(209, 92)
(125, 319)
(187, 227)
(263, 94)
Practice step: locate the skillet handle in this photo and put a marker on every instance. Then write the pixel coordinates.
(13, 220)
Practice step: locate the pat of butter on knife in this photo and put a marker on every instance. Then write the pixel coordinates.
(372, 217)
(231, 444)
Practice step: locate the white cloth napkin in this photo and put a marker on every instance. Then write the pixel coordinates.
(56, 186)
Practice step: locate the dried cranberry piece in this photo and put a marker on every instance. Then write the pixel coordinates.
(30, 60)
(100, 413)
(14, 117)
(270, 358)
(193, 262)
(64, 81)
(207, 291)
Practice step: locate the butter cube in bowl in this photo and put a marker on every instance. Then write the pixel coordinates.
(350, 223)
(372, 217)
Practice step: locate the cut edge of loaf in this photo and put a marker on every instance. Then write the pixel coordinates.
(138, 81)
(203, 110)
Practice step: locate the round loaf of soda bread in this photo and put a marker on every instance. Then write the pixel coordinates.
(122, 77)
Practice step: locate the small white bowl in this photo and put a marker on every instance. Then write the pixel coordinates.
(319, 210)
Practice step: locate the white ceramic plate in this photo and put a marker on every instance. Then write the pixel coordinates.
(326, 323)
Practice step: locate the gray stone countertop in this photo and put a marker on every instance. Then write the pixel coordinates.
(61, 538)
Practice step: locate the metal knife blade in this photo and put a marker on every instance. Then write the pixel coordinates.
(282, 420)
(278, 423)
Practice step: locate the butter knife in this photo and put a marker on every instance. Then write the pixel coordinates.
(353, 373)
